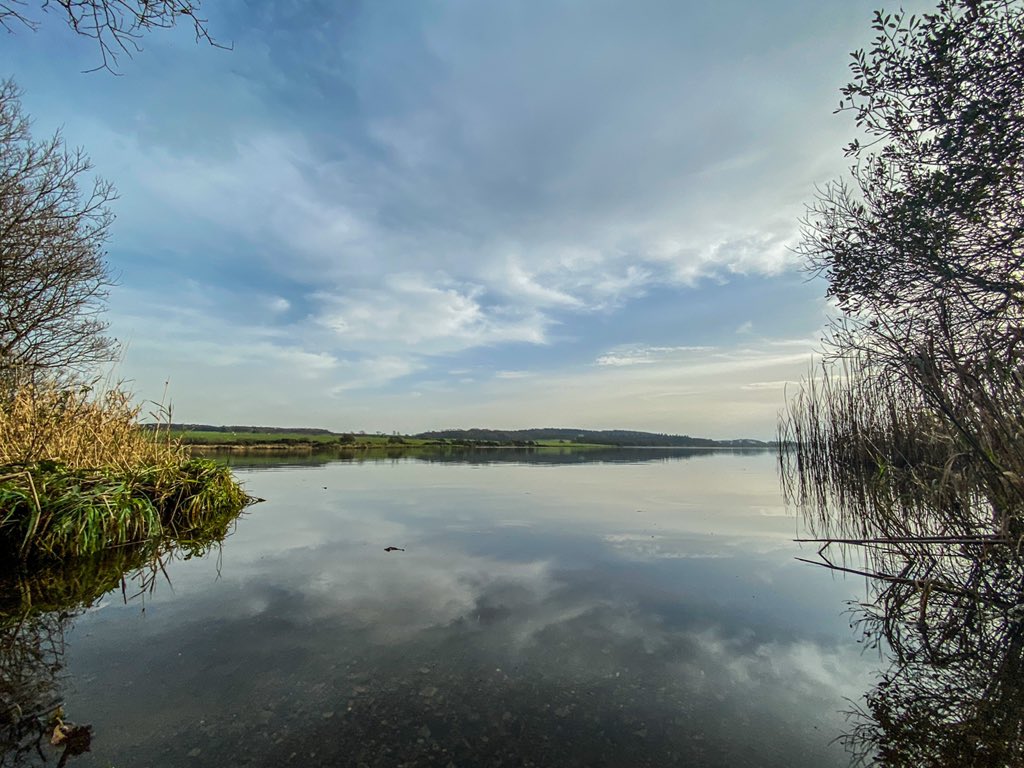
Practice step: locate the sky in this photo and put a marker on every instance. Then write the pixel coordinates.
(401, 216)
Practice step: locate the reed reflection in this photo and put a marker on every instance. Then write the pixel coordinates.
(38, 605)
(937, 532)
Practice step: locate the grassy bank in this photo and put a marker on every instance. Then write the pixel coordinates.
(38, 604)
(78, 475)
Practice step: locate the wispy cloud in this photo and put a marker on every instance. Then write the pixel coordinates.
(373, 372)
(512, 375)
(643, 355)
(607, 193)
(411, 311)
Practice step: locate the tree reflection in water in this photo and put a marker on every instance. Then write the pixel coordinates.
(944, 606)
(31, 653)
(38, 603)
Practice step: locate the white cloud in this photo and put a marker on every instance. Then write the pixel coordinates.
(278, 304)
(714, 392)
(298, 361)
(643, 355)
(373, 372)
(517, 282)
(414, 312)
(772, 385)
(521, 184)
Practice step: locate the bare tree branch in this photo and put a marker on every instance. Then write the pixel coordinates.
(53, 275)
(115, 25)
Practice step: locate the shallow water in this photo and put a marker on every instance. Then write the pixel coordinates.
(604, 608)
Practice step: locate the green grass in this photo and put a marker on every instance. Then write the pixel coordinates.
(209, 437)
(205, 437)
(568, 444)
(213, 438)
(49, 510)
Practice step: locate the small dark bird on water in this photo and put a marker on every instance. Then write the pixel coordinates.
(393, 549)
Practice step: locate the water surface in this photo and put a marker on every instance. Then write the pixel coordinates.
(601, 608)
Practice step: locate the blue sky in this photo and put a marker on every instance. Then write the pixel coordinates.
(406, 216)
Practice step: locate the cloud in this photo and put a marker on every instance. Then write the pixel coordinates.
(297, 360)
(373, 372)
(512, 375)
(515, 281)
(278, 304)
(562, 185)
(642, 355)
(772, 385)
(532, 194)
(412, 311)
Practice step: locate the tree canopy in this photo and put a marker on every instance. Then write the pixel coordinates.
(925, 239)
(914, 444)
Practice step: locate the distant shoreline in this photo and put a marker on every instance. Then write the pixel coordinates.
(322, 447)
(207, 437)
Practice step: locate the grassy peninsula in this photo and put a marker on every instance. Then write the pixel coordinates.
(78, 475)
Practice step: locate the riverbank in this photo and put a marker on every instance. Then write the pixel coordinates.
(300, 446)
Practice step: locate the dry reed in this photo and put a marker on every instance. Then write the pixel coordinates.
(869, 454)
(82, 428)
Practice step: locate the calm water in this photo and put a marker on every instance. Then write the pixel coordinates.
(614, 608)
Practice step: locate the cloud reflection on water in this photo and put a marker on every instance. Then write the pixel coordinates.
(556, 642)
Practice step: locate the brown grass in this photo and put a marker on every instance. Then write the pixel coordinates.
(82, 428)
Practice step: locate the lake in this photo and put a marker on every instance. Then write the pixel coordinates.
(553, 608)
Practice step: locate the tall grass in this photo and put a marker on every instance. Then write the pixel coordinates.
(875, 454)
(83, 427)
(78, 475)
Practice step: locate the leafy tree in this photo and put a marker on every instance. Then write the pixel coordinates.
(115, 25)
(923, 244)
(923, 248)
(53, 275)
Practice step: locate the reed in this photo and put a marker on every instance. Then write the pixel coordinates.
(869, 452)
(83, 427)
(912, 477)
(79, 475)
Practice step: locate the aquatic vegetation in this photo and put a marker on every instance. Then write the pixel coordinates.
(48, 509)
(78, 474)
(857, 443)
(919, 488)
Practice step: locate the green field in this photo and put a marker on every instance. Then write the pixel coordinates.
(567, 444)
(334, 440)
(203, 437)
